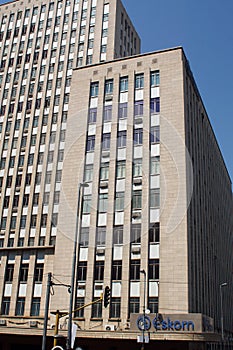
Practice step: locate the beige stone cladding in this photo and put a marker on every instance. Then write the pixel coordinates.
(173, 282)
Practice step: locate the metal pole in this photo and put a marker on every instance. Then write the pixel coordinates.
(144, 310)
(49, 281)
(73, 273)
(221, 308)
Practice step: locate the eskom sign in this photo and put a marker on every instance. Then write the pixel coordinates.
(164, 324)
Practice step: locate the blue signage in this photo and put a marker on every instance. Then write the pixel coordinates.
(144, 323)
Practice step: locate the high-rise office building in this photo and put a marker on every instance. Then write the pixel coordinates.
(158, 198)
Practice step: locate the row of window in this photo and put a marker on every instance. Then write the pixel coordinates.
(118, 235)
(134, 270)
(123, 85)
(23, 273)
(121, 169)
(114, 311)
(123, 110)
(122, 139)
(32, 241)
(119, 203)
(20, 306)
(115, 307)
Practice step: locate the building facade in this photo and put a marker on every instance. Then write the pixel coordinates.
(158, 197)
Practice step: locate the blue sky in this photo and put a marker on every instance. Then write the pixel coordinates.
(205, 30)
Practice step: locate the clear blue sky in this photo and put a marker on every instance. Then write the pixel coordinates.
(205, 30)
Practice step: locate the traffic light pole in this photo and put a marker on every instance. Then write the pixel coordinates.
(49, 283)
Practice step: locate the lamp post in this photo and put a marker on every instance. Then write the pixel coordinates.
(144, 310)
(221, 306)
(74, 263)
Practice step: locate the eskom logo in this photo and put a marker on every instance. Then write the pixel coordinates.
(164, 325)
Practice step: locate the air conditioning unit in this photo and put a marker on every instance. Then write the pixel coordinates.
(136, 250)
(33, 323)
(108, 97)
(104, 184)
(137, 181)
(17, 188)
(136, 215)
(110, 327)
(2, 322)
(138, 120)
(105, 154)
(100, 251)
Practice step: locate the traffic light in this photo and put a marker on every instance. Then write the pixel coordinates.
(107, 296)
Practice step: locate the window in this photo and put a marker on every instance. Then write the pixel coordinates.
(153, 270)
(123, 109)
(86, 204)
(39, 270)
(155, 105)
(121, 138)
(116, 270)
(84, 237)
(48, 177)
(155, 198)
(138, 136)
(154, 78)
(108, 86)
(120, 169)
(134, 305)
(35, 307)
(118, 235)
(115, 308)
(90, 43)
(23, 275)
(92, 115)
(36, 197)
(155, 165)
(88, 173)
(89, 59)
(44, 220)
(100, 236)
(58, 175)
(137, 200)
(38, 179)
(103, 48)
(153, 303)
(123, 84)
(135, 234)
(104, 171)
(94, 89)
(119, 201)
(79, 303)
(96, 311)
(154, 233)
(139, 81)
(103, 203)
(20, 305)
(107, 113)
(82, 271)
(138, 108)
(137, 167)
(5, 309)
(105, 32)
(99, 271)
(106, 139)
(90, 143)
(33, 221)
(23, 221)
(9, 273)
(135, 270)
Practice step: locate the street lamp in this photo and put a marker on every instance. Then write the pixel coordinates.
(221, 306)
(74, 263)
(144, 310)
